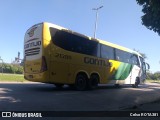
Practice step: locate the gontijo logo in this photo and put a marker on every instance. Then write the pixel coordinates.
(31, 32)
(32, 44)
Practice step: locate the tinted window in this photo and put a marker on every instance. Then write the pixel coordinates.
(107, 52)
(134, 59)
(121, 55)
(126, 57)
(75, 43)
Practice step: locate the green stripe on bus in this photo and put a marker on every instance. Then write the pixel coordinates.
(122, 72)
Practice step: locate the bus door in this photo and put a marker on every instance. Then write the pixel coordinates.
(135, 68)
(145, 67)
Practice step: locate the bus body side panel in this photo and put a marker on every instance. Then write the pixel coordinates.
(65, 65)
(81, 64)
(135, 73)
(124, 73)
(59, 67)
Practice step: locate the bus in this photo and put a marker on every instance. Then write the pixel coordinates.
(53, 54)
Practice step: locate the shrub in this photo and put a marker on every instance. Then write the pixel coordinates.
(11, 68)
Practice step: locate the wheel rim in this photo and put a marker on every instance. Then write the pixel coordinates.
(80, 83)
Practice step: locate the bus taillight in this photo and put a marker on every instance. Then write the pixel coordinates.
(44, 64)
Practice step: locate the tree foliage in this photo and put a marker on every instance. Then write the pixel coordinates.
(153, 76)
(151, 17)
(11, 68)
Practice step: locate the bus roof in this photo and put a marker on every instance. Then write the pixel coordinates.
(90, 38)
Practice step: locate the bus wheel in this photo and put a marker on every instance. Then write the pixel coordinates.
(71, 86)
(58, 85)
(136, 83)
(93, 82)
(117, 85)
(81, 82)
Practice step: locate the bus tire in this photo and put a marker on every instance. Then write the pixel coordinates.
(71, 86)
(117, 85)
(81, 82)
(93, 82)
(137, 82)
(58, 85)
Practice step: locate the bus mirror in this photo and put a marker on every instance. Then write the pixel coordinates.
(148, 66)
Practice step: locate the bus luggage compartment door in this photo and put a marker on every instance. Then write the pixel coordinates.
(59, 72)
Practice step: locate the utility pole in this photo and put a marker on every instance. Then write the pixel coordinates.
(95, 29)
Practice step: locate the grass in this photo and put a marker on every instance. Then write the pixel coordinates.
(152, 81)
(11, 77)
(20, 78)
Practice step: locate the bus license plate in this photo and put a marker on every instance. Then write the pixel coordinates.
(30, 76)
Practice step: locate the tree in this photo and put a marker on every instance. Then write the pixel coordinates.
(151, 17)
(10, 68)
(153, 76)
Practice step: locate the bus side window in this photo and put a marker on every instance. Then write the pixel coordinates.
(119, 55)
(107, 52)
(134, 59)
(72, 42)
(117, 58)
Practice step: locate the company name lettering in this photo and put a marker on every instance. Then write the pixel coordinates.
(32, 44)
(95, 61)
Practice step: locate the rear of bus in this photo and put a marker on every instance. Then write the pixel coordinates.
(35, 65)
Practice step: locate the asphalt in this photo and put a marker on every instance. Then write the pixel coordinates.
(151, 106)
(13, 95)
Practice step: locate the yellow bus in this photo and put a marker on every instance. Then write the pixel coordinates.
(53, 54)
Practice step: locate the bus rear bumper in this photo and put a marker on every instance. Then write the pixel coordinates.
(37, 77)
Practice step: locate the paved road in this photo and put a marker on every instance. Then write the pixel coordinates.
(45, 97)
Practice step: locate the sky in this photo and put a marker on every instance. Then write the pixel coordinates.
(119, 22)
